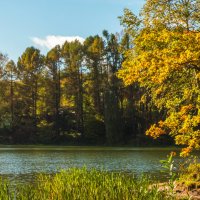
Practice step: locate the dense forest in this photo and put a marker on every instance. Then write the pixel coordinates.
(72, 95)
(114, 89)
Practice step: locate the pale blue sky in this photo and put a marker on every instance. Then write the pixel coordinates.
(28, 22)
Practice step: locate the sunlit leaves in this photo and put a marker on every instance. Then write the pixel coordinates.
(165, 60)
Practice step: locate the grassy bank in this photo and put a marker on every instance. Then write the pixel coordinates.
(83, 184)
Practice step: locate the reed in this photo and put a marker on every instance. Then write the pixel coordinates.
(83, 184)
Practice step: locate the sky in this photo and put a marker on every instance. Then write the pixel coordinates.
(45, 23)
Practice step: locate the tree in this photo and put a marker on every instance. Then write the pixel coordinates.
(165, 60)
(53, 62)
(94, 51)
(4, 106)
(112, 111)
(10, 75)
(172, 14)
(29, 67)
(72, 54)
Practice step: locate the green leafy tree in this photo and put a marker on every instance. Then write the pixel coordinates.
(72, 53)
(29, 68)
(4, 121)
(112, 111)
(94, 51)
(53, 63)
(10, 73)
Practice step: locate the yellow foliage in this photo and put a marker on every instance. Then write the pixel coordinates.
(167, 61)
(186, 151)
(155, 131)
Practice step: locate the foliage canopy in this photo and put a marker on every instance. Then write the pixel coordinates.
(165, 59)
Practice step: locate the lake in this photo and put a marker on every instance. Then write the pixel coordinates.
(23, 162)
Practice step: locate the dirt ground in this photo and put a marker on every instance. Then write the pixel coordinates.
(181, 192)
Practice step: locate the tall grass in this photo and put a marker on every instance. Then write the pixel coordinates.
(83, 184)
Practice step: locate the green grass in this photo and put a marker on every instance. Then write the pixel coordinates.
(83, 184)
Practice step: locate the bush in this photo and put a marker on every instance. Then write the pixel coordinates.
(190, 177)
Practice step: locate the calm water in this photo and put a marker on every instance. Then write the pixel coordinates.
(21, 163)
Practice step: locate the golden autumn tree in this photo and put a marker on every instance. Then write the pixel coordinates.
(165, 59)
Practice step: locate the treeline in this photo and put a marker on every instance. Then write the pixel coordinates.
(72, 95)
